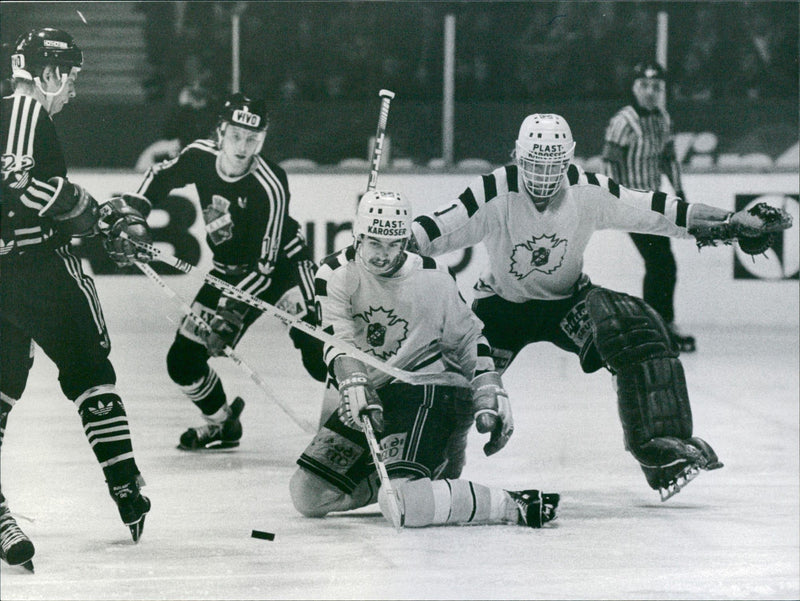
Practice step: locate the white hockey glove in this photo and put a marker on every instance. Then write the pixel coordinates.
(492, 410)
(357, 397)
(292, 302)
(126, 213)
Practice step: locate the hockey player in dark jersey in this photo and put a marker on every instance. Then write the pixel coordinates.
(638, 149)
(45, 297)
(256, 246)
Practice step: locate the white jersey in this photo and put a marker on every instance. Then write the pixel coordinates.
(414, 320)
(539, 255)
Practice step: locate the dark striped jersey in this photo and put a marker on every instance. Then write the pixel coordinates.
(31, 155)
(415, 319)
(539, 255)
(639, 148)
(247, 221)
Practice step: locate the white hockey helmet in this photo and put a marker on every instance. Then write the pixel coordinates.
(543, 152)
(382, 214)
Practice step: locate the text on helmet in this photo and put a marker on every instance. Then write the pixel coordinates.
(387, 227)
(55, 44)
(244, 117)
(548, 149)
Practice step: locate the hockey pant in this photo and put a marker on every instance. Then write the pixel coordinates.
(425, 436)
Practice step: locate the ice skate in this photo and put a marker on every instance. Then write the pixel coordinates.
(669, 479)
(684, 342)
(133, 506)
(16, 549)
(215, 437)
(535, 508)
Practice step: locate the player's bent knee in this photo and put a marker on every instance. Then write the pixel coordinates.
(626, 330)
(311, 495)
(75, 379)
(186, 361)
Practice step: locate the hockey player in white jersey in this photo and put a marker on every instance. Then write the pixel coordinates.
(406, 310)
(535, 218)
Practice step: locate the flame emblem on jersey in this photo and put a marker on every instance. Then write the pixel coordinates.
(219, 224)
(385, 331)
(541, 253)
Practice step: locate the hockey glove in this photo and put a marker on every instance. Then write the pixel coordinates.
(125, 214)
(292, 302)
(226, 325)
(492, 410)
(753, 228)
(357, 397)
(72, 208)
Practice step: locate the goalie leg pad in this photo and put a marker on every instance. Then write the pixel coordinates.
(653, 402)
(626, 329)
(652, 397)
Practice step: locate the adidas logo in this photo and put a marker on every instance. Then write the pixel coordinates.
(102, 409)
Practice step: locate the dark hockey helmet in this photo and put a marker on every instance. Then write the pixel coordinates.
(649, 70)
(242, 111)
(40, 47)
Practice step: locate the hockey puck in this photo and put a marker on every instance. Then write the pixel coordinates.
(263, 535)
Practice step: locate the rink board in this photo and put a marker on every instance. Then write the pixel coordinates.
(716, 286)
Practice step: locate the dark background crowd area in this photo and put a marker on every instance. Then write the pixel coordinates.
(733, 70)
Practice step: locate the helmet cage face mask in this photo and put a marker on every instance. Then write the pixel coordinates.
(387, 217)
(543, 152)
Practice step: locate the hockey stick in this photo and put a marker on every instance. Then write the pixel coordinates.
(380, 133)
(393, 502)
(446, 378)
(395, 515)
(229, 352)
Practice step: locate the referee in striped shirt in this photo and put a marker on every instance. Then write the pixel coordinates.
(638, 149)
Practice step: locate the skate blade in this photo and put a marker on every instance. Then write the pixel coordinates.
(213, 447)
(681, 480)
(136, 529)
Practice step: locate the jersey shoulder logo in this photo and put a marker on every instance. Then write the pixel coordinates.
(17, 170)
(540, 253)
(385, 331)
(219, 224)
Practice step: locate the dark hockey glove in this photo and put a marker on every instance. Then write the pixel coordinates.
(126, 214)
(72, 208)
(492, 410)
(753, 229)
(357, 397)
(226, 325)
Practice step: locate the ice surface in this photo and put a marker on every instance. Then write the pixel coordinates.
(731, 534)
